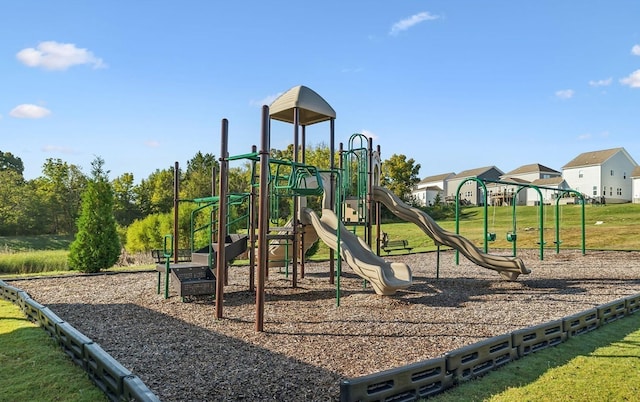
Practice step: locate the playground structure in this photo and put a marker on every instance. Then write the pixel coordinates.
(351, 197)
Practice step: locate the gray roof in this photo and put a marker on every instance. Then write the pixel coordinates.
(551, 181)
(312, 107)
(515, 180)
(475, 172)
(636, 172)
(592, 158)
(531, 168)
(439, 177)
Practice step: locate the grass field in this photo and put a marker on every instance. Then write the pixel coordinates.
(32, 366)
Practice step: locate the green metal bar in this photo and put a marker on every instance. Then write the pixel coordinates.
(513, 228)
(251, 155)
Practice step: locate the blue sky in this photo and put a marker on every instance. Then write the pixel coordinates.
(453, 85)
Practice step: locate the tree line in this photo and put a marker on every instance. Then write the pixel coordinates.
(51, 203)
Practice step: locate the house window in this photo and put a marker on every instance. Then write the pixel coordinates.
(580, 174)
(619, 191)
(595, 190)
(612, 172)
(624, 175)
(610, 191)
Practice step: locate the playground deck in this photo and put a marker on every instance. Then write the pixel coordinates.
(309, 345)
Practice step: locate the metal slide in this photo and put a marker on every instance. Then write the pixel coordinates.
(385, 277)
(508, 267)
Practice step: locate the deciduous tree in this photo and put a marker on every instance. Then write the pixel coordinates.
(400, 175)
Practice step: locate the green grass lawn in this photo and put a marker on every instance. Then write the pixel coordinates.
(34, 368)
(602, 365)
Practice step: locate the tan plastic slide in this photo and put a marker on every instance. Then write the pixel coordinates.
(508, 267)
(385, 277)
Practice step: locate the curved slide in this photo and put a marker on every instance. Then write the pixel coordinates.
(508, 267)
(385, 277)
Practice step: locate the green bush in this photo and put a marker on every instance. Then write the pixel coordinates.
(97, 245)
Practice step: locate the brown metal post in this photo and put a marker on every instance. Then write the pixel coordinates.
(176, 196)
(378, 212)
(295, 221)
(221, 262)
(263, 219)
(303, 159)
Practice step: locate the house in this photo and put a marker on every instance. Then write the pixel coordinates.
(521, 191)
(469, 190)
(430, 188)
(635, 185)
(603, 176)
(550, 188)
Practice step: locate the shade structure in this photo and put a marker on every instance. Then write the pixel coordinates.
(312, 107)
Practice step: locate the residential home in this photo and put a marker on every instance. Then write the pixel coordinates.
(470, 190)
(602, 176)
(430, 188)
(521, 186)
(550, 188)
(635, 180)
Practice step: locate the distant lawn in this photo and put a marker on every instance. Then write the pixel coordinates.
(34, 368)
(32, 243)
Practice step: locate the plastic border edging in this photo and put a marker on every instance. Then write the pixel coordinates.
(479, 358)
(117, 382)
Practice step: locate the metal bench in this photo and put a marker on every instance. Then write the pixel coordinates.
(391, 245)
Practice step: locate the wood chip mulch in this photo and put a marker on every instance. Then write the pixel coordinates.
(182, 353)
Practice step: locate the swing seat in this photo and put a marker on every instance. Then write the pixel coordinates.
(491, 236)
(511, 236)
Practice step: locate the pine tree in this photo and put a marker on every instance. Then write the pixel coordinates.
(96, 245)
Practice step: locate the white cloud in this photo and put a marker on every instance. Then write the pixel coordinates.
(415, 19)
(57, 149)
(369, 134)
(584, 137)
(267, 100)
(565, 94)
(633, 80)
(635, 50)
(52, 55)
(601, 83)
(354, 70)
(152, 143)
(29, 111)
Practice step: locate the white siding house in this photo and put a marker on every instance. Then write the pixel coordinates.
(429, 188)
(470, 192)
(525, 176)
(635, 185)
(602, 175)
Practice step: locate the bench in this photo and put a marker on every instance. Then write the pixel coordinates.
(396, 245)
(184, 255)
